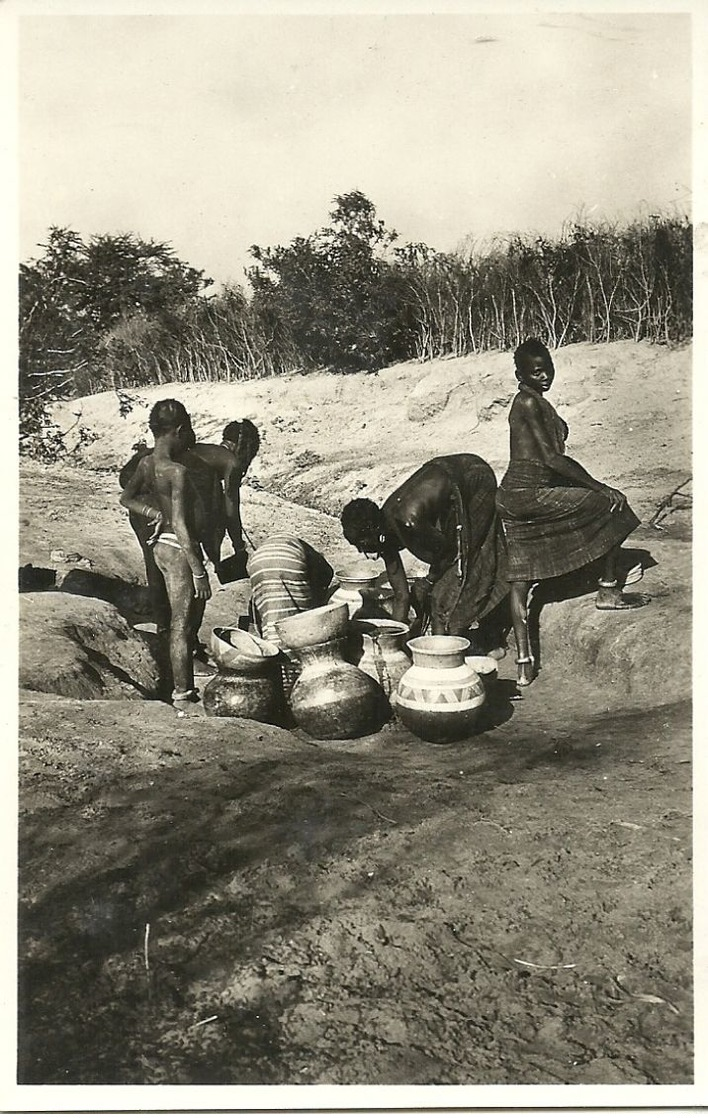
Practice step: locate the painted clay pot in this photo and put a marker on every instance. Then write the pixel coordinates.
(332, 699)
(359, 590)
(378, 650)
(247, 683)
(440, 697)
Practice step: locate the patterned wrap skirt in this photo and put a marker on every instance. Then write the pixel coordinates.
(553, 527)
(472, 586)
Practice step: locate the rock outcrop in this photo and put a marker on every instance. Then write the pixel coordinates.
(82, 648)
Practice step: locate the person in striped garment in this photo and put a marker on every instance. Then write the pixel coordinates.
(287, 576)
(556, 517)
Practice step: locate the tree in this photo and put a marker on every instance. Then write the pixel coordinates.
(335, 294)
(77, 292)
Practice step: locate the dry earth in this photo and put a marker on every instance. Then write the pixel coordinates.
(218, 901)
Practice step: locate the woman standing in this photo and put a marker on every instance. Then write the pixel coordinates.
(556, 516)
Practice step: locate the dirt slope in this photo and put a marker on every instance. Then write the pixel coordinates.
(327, 439)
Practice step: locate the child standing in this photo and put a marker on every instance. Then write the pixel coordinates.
(178, 511)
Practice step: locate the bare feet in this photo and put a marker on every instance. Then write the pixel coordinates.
(525, 671)
(611, 597)
(185, 702)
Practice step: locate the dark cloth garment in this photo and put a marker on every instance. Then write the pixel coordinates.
(476, 581)
(553, 526)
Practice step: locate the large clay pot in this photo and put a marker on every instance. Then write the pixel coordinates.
(333, 699)
(440, 697)
(247, 683)
(378, 650)
(360, 591)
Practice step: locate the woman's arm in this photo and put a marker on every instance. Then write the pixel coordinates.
(399, 581)
(319, 573)
(229, 471)
(232, 501)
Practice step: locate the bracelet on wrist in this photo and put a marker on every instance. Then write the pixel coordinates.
(204, 575)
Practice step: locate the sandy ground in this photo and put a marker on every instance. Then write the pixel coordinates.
(218, 901)
(326, 439)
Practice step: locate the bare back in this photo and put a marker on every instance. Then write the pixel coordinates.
(157, 478)
(535, 428)
(219, 458)
(416, 514)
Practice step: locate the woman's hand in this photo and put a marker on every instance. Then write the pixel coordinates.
(618, 501)
(202, 589)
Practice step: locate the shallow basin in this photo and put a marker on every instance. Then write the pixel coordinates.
(236, 650)
(313, 626)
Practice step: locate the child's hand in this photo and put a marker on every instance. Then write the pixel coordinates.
(202, 589)
(156, 522)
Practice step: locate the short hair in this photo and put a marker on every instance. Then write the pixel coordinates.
(360, 517)
(244, 434)
(531, 347)
(168, 415)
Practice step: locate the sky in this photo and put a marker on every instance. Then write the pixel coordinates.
(215, 132)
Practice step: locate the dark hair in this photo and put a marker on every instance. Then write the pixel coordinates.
(360, 518)
(130, 467)
(168, 415)
(531, 347)
(244, 434)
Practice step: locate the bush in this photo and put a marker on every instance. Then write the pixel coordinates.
(40, 437)
(120, 312)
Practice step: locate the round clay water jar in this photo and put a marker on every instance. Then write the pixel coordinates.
(361, 593)
(382, 655)
(247, 683)
(332, 699)
(440, 697)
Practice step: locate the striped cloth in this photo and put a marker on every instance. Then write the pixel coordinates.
(287, 576)
(552, 526)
